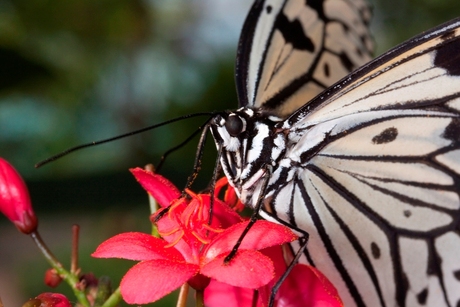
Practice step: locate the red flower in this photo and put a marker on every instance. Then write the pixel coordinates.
(14, 199)
(305, 286)
(48, 299)
(192, 251)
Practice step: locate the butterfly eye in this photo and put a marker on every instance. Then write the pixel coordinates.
(235, 125)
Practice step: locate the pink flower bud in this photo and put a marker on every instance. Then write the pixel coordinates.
(49, 299)
(14, 199)
(52, 278)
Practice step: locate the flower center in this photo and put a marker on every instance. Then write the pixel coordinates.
(188, 220)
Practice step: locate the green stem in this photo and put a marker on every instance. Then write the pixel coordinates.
(114, 299)
(71, 279)
(182, 299)
(45, 250)
(199, 297)
(154, 208)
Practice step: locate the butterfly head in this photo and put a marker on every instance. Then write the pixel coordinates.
(249, 141)
(229, 129)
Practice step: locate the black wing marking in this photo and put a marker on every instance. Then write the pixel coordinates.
(383, 182)
(292, 50)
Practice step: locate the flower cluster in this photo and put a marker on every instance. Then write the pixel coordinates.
(192, 249)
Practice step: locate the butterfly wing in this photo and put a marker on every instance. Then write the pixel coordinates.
(291, 50)
(372, 173)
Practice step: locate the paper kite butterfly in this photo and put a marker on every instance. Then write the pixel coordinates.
(368, 167)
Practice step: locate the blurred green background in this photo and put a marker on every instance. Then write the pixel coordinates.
(76, 71)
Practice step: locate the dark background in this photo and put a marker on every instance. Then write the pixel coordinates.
(76, 71)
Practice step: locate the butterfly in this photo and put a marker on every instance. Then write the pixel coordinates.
(368, 169)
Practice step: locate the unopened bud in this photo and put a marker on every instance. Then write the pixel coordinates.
(49, 299)
(14, 199)
(52, 278)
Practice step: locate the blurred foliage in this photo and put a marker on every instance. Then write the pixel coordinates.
(79, 70)
(398, 20)
(61, 48)
(71, 39)
(76, 71)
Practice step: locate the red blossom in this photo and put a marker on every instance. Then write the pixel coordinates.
(305, 286)
(14, 199)
(48, 299)
(191, 250)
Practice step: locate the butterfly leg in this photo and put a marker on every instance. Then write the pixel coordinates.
(303, 244)
(198, 156)
(196, 165)
(255, 214)
(212, 186)
(182, 144)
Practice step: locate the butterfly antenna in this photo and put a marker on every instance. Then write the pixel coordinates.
(70, 150)
(188, 139)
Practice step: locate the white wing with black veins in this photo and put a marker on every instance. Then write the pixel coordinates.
(378, 190)
(369, 168)
(292, 50)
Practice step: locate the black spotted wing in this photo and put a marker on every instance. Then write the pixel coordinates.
(290, 51)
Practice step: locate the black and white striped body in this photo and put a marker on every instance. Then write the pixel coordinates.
(246, 154)
(370, 169)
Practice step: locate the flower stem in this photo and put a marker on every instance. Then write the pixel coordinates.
(182, 299)
(114, 299)
(199, 297)
(45, 250)
(74, 256)
(71, 279)
(154, 208)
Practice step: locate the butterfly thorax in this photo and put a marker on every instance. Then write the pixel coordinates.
(250, 142)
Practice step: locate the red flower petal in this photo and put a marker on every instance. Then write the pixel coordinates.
(248, 269)
(149, 281)
(136, 246)
(305, 287)
(14, 199)
(230, 197)
(158, 186)
(222, 212)
(263, 234)
(180, 236)
(217, 292)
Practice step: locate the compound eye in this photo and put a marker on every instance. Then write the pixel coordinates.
(235, 125)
